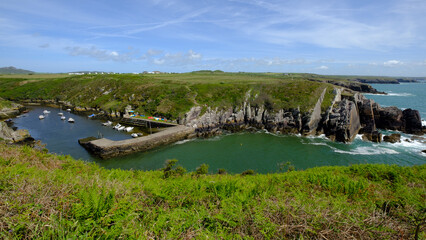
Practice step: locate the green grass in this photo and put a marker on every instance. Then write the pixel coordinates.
(57, 197)
(170, 95)
(5, 104)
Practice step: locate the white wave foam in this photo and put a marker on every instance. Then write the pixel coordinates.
(183, 141)
(322, 136)
(400, 95)
(318, 144)
(409, 144)
(424, 123)
(367, 151)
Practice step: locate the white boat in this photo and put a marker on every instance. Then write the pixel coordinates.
(46, 112)
(121, 128)
(63, 118)
(71, 120)
(68, 110)
(128, 129)
(41, 117)
(135, 135)
(109, 123)
(61, 114)
(117, 126)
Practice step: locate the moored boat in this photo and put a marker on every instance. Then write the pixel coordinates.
(46, 112)
(71, 120)
(128, 129)
(109, 123)
(63, 118)
(41, 117)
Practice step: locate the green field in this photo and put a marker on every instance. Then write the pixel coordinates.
(170, 95)
(56, 197)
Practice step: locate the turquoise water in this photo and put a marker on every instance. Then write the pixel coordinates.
(404, 95)
(260, 151)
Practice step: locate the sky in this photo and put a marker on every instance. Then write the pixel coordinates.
(351, 37)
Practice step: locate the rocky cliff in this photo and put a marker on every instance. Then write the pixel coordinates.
(11, 111)
(348, 115)
(11, 136)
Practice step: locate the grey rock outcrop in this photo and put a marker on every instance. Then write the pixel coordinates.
(393, 138)
(344, 122)
(213, 120)
(12, 111)
(412, 123)
(12, 136)
(374, 136)
(346, 117)
(315, 117)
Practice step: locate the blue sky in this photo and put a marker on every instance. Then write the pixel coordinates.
(356, 37)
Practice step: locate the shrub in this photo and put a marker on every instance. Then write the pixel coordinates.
(203, 169)
(169, 171)
(248, 172)
(221, 171)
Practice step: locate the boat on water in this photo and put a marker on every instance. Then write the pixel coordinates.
(121, 128)
(109, 123)
(63, 118)
(61, 114)
(90, 116)
(68, 110)
(46, 112)
(117, 126)
(41, 117)
(129, 129)
(71, 120)
(135, 135)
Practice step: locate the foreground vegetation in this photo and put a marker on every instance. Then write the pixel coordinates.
(170, 95)
(49, 196)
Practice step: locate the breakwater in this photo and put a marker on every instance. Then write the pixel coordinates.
(106, 148)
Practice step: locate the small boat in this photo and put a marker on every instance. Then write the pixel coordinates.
(41, 117)
(117, 126)
(63, 118)
(135, 135)
(121, 128)
(109, 123)
(71, 120)
(46, 112)
(90, 116)
(128, 129)
(61, 114)
(68, 110)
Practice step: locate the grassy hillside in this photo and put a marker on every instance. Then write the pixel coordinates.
(171, 95)
(13, 70)
(52, 197)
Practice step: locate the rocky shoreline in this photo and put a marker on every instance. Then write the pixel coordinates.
(347, 116)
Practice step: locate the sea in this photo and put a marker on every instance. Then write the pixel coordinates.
(261, 151)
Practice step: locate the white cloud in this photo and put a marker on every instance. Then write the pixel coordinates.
(100, 54)
(322, 67)
(392, 63)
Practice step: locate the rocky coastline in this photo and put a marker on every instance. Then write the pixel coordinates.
(347, 116)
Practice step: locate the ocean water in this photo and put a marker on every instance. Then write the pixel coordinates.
(260, 151)
(404, 95)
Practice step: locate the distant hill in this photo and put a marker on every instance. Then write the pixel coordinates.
(13, 70)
